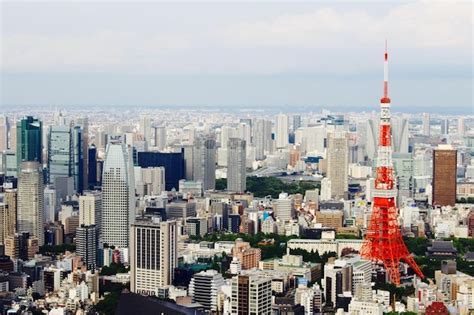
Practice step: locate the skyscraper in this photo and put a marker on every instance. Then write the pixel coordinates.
(281, 131)
(204, 156)
(145, 129)
(92, 167)
(29, 140)
(154, 255)
(296, 122)
(86, 245)
(173, 162)
(4, 130)
(444, 126)
(90, 209)
(461, 126)
(30, 215)
(444, 176)
(65, 155)
(236, 170)
(426, 128)
(10, 221)
(337, 167)
(259, 138)
(160, 137)
(83, 123)
(118, 204)
(251, 295)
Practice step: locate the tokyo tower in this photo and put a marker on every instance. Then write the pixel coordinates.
(383, 240)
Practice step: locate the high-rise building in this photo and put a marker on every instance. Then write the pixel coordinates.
(65, 155)
(251, 294)
(337, 166)
(173, 162)
(259, 138)
(154, 255)
(444, 126)
(7, 221)
(281, 131)
(236, 170)
(461, 126)
(30, 212)
(444, 176)
(296, 122)
(204, 287)
(4, 130)
(284, 207)
(29, 140)
(83, 123)
(92, 180)
(426, 128)
(10, 217)
(87, 244)
(160, 137)
(118, 195)
(90, 209)
(204, 168)
(145, 130)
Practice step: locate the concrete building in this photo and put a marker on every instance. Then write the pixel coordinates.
(251, 294)
(236, 168)
(338, 159)
(30, 214)
(154, 255)
(118, 195)
(204, 288)
(87, 244)
(204, 168)
(426, 124)
(444, 176)
(248, 256)
(281, 131)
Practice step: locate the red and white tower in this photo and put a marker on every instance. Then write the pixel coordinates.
(383, 241)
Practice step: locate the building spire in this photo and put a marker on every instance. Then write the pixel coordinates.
(385, 98)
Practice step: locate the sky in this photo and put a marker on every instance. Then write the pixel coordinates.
(250, 54)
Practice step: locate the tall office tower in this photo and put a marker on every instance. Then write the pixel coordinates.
(236, 171)
(90, 209)
(173, 162)
(281, 131)
(65, 156)
(338, 159)
(383, 240)
(461, 126)
(12, 138)
(154, 255)
(269, 143)
(296, 122)
(7, 221)
(204, 169)
(188, 161)
(118, 195)
(4, 130)
(444, 176)
(444, 126)
(83, 123)
(251, 294)
(160, 137)
(259, 139)
(400, 135)
(403, 167)
(29, 140)
(203, 288)
(10, 199)
(87, 242)
(426, 128)
(92, 166)
(227, 132)
(145, 130)
(244, 132)
(30, 214)
(50, 203)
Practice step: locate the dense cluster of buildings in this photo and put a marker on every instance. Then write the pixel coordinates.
(142, 193)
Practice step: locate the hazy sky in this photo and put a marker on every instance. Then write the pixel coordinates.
(249, 54)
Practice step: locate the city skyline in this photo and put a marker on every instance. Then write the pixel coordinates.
(229, 54)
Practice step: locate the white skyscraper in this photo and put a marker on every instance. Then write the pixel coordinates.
(281, 131)
(338, 163)
(145, 129)
(426, 124)
(30, 213)
(461, 127)
(118, 195)
(154, 255)
(204, 168)
(160, 137)
(259, 138)
(90, 209)
(4, 129)
(203, 288)
(236, 170)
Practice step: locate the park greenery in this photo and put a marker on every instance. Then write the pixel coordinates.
(113, 269)
(465, 200)
(271, 186)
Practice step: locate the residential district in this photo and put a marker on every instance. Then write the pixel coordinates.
(235, 211)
